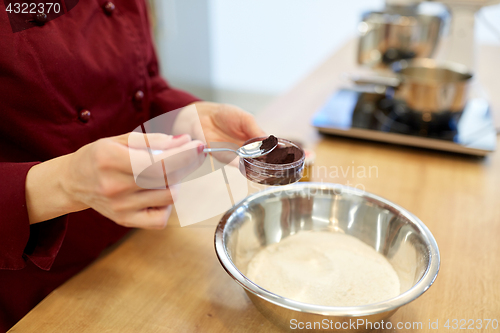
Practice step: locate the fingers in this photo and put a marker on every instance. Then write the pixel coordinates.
(154, 141)
(147, 209)
(180, 156)
(174, 164)
(102, 176)
(148, 218)
(247, 124)
(250, 127)
(235, 122)
(143, 199)
(224, 157)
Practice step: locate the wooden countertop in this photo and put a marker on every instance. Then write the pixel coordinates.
(171, 281)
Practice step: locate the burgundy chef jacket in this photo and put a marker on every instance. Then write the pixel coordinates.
(87, 74)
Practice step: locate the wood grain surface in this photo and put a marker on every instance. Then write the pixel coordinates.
(171, 281)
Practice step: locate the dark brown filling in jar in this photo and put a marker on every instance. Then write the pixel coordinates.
(282, 155)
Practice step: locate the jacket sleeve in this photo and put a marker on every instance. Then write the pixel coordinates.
(166, 98)
(20, 241)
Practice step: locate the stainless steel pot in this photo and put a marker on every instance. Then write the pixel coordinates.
(426, 85)
(429, 86)
(386, 37)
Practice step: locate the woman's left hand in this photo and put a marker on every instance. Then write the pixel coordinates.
(225, 123)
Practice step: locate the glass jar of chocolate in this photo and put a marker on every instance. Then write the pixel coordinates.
(283, 165)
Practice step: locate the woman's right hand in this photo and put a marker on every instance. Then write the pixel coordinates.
(100, 176)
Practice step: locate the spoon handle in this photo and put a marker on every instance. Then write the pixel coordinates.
(214, 150)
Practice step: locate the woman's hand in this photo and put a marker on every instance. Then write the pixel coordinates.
(100, 176)
(220, 123)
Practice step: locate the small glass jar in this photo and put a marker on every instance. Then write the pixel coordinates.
(308, 165)
(273, 174)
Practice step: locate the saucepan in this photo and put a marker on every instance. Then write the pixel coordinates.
(426, 85)
(385, 37)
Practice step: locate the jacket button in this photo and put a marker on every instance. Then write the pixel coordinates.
(109, 7)
(40, 18)
(137, 99)
(138, 96)
(84, 116)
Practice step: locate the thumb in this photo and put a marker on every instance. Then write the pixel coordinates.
(251, 128)
(154, 141)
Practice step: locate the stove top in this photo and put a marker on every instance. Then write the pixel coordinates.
(377, 117)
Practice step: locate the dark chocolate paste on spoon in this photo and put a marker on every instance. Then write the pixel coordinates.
(280, 155)
(269, 143)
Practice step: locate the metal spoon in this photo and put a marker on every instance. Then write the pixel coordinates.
(251, 150)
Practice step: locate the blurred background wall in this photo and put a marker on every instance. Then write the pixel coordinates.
(246, 52)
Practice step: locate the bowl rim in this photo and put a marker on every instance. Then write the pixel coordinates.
(421, 286)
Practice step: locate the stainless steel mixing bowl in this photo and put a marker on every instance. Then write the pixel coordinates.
(271, 215)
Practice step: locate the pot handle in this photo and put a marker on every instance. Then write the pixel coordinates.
(376, 80)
